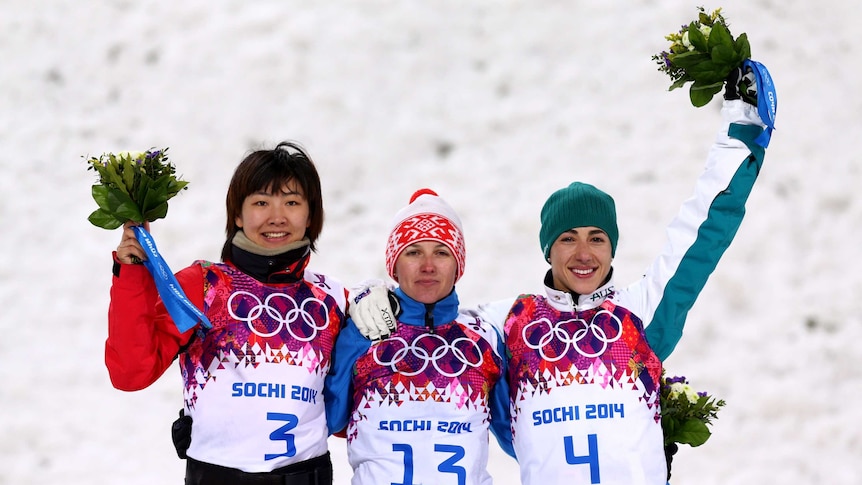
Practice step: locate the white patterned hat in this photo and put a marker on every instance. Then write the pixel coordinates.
(426, 218)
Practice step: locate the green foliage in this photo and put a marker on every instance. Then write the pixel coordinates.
(703, 53)
(132, 187)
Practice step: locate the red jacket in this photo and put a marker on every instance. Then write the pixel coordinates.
(142, 338)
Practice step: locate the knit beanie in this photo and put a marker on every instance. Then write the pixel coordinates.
(426, 218)
(578, 205)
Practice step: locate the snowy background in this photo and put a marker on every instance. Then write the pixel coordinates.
(494, 104)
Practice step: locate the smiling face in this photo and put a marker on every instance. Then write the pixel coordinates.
(426, 271)
(581, 260)
(275, 218)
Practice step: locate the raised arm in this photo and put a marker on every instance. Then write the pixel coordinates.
(703, 229)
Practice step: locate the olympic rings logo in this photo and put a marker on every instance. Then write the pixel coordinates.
(419, 348)
(294, 312)
(557, 331)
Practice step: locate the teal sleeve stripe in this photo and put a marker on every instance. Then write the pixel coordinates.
(713, 237)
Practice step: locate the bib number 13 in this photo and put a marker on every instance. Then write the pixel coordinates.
(456, 453)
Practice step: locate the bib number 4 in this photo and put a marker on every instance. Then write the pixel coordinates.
(591, 458)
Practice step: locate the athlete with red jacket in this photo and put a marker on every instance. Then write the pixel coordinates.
(253, 383)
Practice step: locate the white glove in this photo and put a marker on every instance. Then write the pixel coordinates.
(371, 308)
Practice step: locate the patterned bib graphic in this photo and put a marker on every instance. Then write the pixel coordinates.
(256, 324)
(604, 346)
(454, 366)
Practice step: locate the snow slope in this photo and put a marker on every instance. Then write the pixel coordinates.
(494, 104)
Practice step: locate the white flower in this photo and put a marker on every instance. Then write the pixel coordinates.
(705, 30)
(678, 388)
(686, 42)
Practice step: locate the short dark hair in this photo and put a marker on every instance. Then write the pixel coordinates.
(271, 170)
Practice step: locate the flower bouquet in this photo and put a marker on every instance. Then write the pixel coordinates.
(133, 187)
(686, 413)
(703, 52)
(136, 187)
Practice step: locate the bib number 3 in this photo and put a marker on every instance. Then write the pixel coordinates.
(283, 434)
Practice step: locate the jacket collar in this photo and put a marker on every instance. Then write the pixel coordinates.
(565, 301)
(285, 267)
(414, 312)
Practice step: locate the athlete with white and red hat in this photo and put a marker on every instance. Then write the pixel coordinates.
(418, 405)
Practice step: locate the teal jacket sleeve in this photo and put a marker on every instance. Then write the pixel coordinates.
(703, 229)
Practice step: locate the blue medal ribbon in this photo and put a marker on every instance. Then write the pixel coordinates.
(767, 100)
(182, 311)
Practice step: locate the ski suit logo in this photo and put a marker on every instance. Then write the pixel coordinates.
(283, 310)
(429, 349)
(581, 339)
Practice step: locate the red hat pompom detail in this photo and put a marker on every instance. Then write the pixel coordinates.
(422, 192)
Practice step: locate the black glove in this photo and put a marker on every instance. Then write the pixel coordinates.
(669, 451)
(181, 433)
(740, 84)
(395, 304)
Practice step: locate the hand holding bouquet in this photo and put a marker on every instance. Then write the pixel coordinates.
(136, 187)
(703, 52)
(685, 413)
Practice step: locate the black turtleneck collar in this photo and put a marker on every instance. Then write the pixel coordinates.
(286, 267)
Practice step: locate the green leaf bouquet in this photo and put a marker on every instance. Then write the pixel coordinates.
(686, 413)
(703, 53)
(133, 187)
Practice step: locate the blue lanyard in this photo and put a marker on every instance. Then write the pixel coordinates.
(767, 100)
(182, 311)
